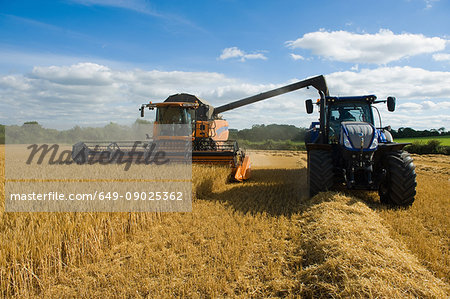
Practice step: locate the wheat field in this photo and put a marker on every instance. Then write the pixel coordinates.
(261, 238)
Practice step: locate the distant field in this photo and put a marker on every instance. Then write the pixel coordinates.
(445, 140)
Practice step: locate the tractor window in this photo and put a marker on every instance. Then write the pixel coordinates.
(341, 112)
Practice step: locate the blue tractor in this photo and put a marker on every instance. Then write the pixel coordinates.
(346, 148)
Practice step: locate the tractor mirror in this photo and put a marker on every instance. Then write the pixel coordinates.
(391, 103)
(142, 111)
(309, 106)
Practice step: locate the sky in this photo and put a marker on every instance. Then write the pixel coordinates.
(91, 62)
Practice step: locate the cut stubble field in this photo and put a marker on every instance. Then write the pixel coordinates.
(260, 238)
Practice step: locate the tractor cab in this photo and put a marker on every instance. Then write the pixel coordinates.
(346, 111)
(338, 113)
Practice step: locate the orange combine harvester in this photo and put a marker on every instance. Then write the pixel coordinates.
(210, 144)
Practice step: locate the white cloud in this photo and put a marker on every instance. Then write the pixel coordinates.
(297, 57)
(429, 3)
(435, 106)
(403, 82)
(254, 56)
(423, 97)
(441, 57)
(89, 93)
(425, 105)
(410, 106)
(78, 74)
(232, 52)
(92, 93)
(235, 52)
(379, 48)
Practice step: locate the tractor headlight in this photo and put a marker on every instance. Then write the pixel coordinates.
(347, 143)
(374, 142)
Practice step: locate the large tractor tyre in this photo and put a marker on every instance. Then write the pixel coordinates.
(320, 171)
(399, 187)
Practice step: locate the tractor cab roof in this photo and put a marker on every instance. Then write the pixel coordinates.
(366, 98)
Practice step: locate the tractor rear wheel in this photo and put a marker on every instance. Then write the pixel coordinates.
(320, 171)
(399, 187)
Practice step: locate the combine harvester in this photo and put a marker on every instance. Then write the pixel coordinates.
(344, 147)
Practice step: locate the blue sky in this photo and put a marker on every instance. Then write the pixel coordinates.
(88, 62)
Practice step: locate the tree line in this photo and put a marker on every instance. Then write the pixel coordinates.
(259, 133)
(31, 132)
(410, 132)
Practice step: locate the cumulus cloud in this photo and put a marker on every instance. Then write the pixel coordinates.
(425, 105)
(410, 106)
(379, 48)
(235, 52)
(429, 3)
(355, 67)
(441, 57)
(297, 57)
(78, 74)
(422, 95)
(232, 52)
(403, 82)
(89, 94)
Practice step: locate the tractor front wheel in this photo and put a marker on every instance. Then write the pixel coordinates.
(320, 171)
(399, 186)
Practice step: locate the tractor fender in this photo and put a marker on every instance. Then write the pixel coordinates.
(385, 136)
(389, 147)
